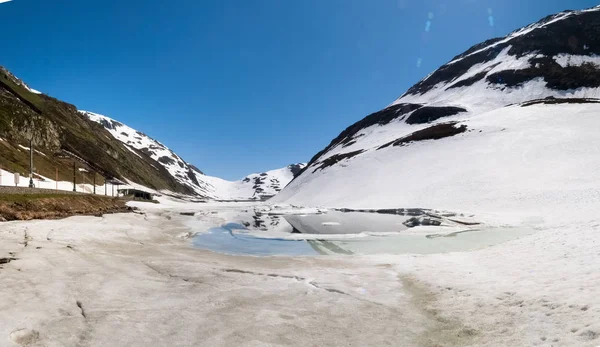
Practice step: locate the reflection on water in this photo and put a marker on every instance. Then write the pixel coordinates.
(230, 239)
(338, 233)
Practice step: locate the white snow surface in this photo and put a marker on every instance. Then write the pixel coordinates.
(565, 60)
(513, 158)
(253, 187)
(83, 278)
(520, 160)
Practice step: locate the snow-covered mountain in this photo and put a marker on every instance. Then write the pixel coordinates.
(136, 141)
(259, 186)
(510, 121)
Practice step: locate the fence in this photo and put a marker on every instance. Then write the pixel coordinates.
(7, 179)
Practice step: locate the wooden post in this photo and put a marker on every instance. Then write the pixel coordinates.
(31, 164)
(74, 179)
(94, 182)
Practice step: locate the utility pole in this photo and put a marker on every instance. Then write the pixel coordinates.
(74, 178)
(31, 164)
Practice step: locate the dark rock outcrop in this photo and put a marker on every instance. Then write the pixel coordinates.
(436, 132)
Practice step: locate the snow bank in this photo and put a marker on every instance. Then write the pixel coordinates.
(521, 160)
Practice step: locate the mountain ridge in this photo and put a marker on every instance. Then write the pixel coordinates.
(555, 58)
(257, 186)
(65, 137)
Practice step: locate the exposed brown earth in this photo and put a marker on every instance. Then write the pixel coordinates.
(57, 205)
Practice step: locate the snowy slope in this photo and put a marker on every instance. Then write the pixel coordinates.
(540, 60)
(465, 135)
(258, 186)
(514, 158)
(138, 141)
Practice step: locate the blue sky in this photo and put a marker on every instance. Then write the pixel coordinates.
(244, 86)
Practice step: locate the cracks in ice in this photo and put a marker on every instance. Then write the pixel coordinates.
(6, 260)
(80, 305)
(157, 270)
(296, 278)
(331, 290)
(169, 275)
(26, 239)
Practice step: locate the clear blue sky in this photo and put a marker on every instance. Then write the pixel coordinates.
(243, 86)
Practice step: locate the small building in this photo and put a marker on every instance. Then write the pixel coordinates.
(135, 194)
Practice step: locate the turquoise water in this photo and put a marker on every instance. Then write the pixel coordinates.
(337, 233)
(227, 239)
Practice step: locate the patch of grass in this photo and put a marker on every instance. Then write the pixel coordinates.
(31, 99)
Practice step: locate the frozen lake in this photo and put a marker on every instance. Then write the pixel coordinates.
(346, 233)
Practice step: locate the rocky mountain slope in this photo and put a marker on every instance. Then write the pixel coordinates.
(140, 145)
(63, 137)
(501, 121)
(258, 186)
